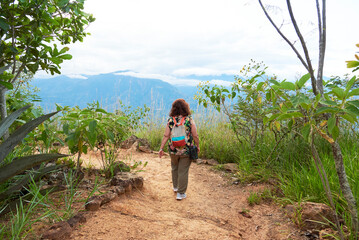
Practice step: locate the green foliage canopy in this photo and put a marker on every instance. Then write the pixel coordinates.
(27, 29)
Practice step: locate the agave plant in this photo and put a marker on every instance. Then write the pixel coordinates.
(21, 164)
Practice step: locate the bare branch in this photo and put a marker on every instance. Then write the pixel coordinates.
(322, 42)
(304, 46)
(14, 54)
(319, 20)
(284, 37)
(233, 124)
(21, 68)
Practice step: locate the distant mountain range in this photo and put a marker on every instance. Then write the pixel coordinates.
(111, 88)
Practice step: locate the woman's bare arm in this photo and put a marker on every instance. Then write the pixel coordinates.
(194, 133)
(165, 138)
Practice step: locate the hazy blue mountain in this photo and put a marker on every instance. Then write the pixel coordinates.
(110, 88)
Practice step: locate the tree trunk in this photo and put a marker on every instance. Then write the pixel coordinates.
(3, 111)
(322, 25)
(344, 185)
(324, 178)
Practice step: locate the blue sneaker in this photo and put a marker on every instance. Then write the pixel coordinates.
(181, 196)
(175, 189)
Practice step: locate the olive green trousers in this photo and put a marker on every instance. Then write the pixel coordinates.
(180, 166)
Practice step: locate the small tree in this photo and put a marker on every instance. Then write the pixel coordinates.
(318, 90)
(90, 127)
(28, 30)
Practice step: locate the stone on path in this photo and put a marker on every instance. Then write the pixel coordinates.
(58, 231)
(128, 143)
(76, 220)
(127, 181)
(122, 182)
(231, 167)
(312, 215)
(93, 204)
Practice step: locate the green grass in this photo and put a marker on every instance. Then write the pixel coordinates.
(291, 164)
(154, 135)
(256, 198)
(26, 214)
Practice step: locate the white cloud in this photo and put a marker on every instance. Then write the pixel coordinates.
(220, 82)
(167, 78)
(78, 76)
(198, 71)
(178, 38)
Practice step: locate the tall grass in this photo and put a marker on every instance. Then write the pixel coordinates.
(291, 163)
(26, 215)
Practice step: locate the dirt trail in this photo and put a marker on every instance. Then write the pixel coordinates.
(210, 211)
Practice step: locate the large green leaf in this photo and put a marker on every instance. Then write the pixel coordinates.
(350, 84)
(92, 137)
(274, 82)
(6, 123)
(349, 118)
(65, 49)
(339, 92)
(289, 115)
(268, 96)
(352, 109)
(328, 102)
(274, 116)
(225, 90)
(66, 56)
(301, 98)
(62, 3)
(287, 86)
(259, 86)
(306, 106)
(352, 64)
(303, 80)
(354, 103)
(92, 126)
(335, 132)
(4, 25)
(15, 138)
(65, 128)
(104, 111)
(7, 85)
(56, 60)
(326, 110)
(86, 111)
(18, 165)
(354, 92)
(331, 124)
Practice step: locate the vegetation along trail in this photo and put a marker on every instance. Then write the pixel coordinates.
(213, 209)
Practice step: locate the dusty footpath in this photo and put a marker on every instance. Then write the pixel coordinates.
(212, 210)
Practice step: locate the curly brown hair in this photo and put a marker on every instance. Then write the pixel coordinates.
(180, 107)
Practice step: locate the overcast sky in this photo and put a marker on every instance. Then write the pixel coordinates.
(172, 39)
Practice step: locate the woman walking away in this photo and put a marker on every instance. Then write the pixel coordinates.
(182, 134)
